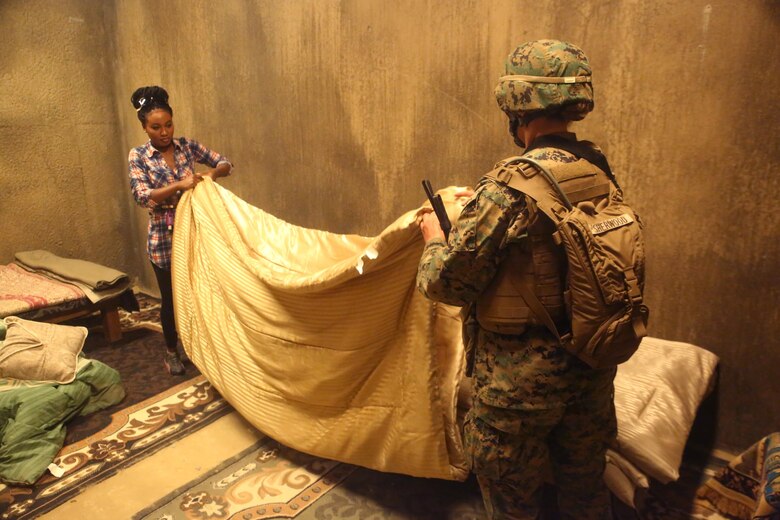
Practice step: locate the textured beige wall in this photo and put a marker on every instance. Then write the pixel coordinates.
(334, 110)
(61, 148)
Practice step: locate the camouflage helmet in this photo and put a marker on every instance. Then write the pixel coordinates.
(546, 76)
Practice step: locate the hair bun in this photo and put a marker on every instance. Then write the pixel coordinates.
(144, 95)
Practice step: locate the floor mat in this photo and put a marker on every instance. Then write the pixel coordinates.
(133, 434)
(147, 317)
(269, 480)
(158, 410)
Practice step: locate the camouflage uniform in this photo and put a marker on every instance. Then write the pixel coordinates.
(539, 412)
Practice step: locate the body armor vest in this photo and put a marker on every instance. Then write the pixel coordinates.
(534, 262)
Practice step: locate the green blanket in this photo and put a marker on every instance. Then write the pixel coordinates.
(94, 275)
(33, 417)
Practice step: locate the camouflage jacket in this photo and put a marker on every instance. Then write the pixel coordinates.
(456, 272)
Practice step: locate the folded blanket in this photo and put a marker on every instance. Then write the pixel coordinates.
(94, 295)
(94, 275)
(22, 291)
(623, 478)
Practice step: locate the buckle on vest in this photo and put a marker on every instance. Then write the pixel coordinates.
(527, 170)
(504, 174)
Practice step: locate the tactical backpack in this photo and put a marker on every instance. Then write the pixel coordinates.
(605, 258)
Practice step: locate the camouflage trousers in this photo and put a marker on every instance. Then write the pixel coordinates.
(558, 429)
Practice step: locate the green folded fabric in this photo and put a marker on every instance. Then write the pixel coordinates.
(3, 328)
(33, 419)
(97, 276)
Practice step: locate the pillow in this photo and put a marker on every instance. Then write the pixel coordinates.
(36, 351)
(657, 393)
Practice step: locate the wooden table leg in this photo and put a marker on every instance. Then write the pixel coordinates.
(111, 327)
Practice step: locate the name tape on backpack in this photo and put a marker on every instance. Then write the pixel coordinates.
(612, 223)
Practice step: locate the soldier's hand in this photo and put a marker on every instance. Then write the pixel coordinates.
(464, 192)
(429, 226)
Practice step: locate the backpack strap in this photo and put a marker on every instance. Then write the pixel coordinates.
(635, 294)
(538, 309)
(572, 183)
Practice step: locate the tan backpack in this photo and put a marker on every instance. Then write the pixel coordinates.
(604, 248)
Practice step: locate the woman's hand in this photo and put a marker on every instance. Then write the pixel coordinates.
(160, 195)
(222, 170)
(189, 182)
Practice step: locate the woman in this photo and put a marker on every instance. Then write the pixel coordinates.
(160, 171)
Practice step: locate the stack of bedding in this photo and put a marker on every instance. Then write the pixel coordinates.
(44, 382)
(44, 283)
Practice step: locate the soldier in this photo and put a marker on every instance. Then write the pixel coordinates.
(540, 413)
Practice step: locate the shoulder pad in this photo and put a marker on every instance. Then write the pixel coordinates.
(563, 164)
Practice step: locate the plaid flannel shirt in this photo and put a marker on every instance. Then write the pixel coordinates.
(148, 171)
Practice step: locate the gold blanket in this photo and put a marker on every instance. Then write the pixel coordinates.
(320, 340)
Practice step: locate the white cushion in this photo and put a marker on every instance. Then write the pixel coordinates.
(657, 393)
(35, 351)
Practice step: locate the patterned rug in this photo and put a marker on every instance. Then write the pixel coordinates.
(677, 500)
(157, 411)
(147, 317)
(269, 480)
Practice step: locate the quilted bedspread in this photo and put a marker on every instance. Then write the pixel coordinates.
(320, 340)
